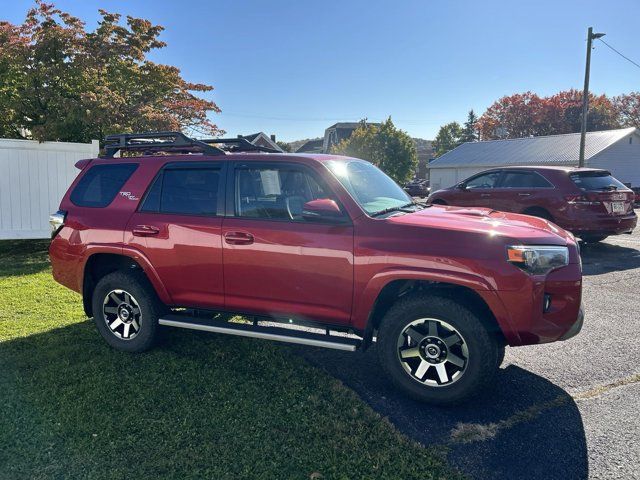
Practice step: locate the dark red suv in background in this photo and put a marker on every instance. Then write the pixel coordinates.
(190, 229)
(588, 202)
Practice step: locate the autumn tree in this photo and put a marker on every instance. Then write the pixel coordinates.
(384, 145)
(285, 146)
(449, 137)
(60, 82)
(627, 107)
(512, 116)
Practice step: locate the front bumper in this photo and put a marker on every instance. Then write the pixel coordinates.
(576, 327)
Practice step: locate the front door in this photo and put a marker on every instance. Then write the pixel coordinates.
(478, 191)
(276, 262)
(179, 228)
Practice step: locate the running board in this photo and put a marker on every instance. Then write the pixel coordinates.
(277, 334)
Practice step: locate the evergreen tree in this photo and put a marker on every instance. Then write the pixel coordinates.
(470, 130)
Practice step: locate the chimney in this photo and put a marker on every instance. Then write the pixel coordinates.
(273, 138)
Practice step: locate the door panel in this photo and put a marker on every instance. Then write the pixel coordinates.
(478, 191)
(289, 269)
(179, 228)
(276, 261)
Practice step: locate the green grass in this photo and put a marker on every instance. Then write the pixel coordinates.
(197, 406)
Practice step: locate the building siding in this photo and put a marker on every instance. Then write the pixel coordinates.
(622, 160)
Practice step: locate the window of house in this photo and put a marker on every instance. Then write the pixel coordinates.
(100, 185)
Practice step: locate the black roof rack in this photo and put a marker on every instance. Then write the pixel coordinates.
(175, 142)
(239, 144)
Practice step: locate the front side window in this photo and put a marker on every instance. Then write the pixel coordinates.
(100, 185)
(189, 191)
(368, 185)
(487, 180)
(524, 180)
(276, 193)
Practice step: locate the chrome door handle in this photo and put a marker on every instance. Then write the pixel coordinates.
(238, 238)
(485, 195)
(524, 194)
(145, 230)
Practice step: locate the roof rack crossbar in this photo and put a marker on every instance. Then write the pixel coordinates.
(241, 144)
(176, 142)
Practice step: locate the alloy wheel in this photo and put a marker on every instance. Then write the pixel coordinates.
(433, 352)
(122, 314)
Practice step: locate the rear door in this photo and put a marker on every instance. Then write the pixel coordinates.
(178, 227)
(519, 190)
(478, 191)
(276, 263)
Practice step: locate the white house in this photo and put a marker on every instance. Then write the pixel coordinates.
(34, 177)
(615, 150)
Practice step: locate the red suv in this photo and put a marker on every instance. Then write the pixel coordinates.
(586, 201)
(192, 231)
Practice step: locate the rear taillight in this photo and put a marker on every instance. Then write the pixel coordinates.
(581, 200)
(56, 221)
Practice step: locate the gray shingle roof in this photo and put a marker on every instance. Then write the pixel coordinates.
(549, 150)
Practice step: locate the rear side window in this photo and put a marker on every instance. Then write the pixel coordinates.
(189, 191)
(524, 180)
(598, 180)
(100, 185)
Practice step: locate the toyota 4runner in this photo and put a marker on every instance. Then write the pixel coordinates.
(320, 250)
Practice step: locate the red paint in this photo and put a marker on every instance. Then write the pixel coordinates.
(329, 273)
(564, 203)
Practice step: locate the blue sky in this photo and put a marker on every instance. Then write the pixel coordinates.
(292, 68)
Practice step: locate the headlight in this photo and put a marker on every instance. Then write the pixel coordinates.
(538, 260)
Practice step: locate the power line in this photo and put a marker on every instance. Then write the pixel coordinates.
(619, 53)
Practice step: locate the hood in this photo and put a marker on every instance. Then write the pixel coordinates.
(519, 228)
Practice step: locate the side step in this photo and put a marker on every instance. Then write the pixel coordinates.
(266, 333)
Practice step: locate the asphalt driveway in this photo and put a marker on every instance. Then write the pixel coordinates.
(564, 410)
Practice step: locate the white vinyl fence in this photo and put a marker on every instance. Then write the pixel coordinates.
(34, 177)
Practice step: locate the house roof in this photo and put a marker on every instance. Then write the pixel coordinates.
(547, 150)
(311, 146)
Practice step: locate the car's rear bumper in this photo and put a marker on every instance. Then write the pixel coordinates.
(602, 224)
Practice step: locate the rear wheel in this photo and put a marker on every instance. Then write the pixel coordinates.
(126, 311)
(436, 350)
(593, 238)
(539, 212)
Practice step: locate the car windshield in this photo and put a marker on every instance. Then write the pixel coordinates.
(597, 180)
(369, 186)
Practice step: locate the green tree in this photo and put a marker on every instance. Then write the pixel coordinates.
(470, 130)
(449, 137)
(285, 146)
(60, 82)
(384, 145)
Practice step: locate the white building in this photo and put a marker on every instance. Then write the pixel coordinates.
(34, 177)
(615, 150)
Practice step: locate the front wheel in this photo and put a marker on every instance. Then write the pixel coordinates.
(436, 350)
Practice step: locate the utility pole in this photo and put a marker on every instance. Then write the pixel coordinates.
(585, 93)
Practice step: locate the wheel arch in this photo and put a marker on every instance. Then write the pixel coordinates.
(101, 262)
(394, 289)
(536, 211)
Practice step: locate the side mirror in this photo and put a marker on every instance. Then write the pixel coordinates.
(461, 186)
(321, 209)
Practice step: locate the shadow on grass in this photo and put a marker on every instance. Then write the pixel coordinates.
(23, 257)
(197, 406)
(603, 257)
(525, 427)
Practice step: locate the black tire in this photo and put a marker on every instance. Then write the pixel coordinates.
(141, 296)
(480, 365)
(593, 238)
(539, 212)
(501, 352)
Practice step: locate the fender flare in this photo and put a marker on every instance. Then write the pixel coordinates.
(365, 304)
(135, 255)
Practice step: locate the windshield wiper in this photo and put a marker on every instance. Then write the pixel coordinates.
(400, 208)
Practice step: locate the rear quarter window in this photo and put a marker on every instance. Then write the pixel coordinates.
(100, 185)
